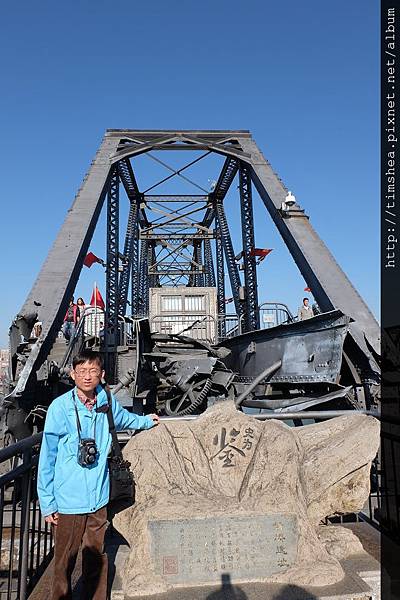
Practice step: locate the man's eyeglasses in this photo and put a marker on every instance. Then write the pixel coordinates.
(84, 372)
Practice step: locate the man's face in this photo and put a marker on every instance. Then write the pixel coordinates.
(87, 376)
(305, 302)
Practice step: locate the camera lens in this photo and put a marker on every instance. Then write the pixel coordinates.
(91, 459)
(92, 450)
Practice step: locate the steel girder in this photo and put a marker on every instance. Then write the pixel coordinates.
(252, 318)
(225, 179)
(199, 277)
(224, 145)
(151, 257)
(175, 268)
(143, 299)
(193, 198)
(135, 280)
(130, 264)
(219, 252)
(223, 184)
(209, 275)
(128, 179)
(131, 188)
(176, 237)
(230, 259)
(111, 324)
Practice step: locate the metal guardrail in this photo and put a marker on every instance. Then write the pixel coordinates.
(206, 328)
(26, 540)
(229, 326)
(272, 314)
(384, 499)
(199, 327)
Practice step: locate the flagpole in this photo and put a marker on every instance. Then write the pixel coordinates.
(95, 309)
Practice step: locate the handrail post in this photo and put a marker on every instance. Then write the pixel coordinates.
(24, 536)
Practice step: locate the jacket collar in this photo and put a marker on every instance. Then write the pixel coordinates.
(101, 397)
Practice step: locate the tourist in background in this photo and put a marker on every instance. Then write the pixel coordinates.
(305, 310)
(70, 321)
(80, 308)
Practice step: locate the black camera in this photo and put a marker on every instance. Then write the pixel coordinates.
(87, 452)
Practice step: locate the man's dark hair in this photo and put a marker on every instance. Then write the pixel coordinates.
(89, 356)
(305, 299)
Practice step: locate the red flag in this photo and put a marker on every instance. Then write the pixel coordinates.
(91, 258)
(307, 289)
(98, 299)
(260, 252)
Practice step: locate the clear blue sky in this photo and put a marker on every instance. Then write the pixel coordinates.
(302, 76)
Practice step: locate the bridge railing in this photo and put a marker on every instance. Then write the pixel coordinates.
(229, 326)
(26, 540)
(86, 327)
(273, 314)
(199, 327)
(384, 500)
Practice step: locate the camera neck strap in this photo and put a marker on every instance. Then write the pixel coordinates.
(116, 450)
(78, 422)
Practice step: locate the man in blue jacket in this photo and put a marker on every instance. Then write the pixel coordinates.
(73, 497)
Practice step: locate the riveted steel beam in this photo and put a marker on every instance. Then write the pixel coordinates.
(251, 319)
(225, 179)
(143, 295)
(219, 251)
(198, 260)
(130, 256)
(111, 325)
(209, 275)
(230, 258)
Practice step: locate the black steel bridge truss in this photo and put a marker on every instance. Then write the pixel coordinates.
(175, 240)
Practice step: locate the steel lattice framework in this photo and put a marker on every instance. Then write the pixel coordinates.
(181, 239)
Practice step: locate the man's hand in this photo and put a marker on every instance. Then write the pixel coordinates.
(52, 519)
(156, 419)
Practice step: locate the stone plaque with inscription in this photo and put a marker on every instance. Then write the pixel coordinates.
(227, 494)
(200, 550)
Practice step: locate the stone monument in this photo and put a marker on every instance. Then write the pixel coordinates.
(229, 494)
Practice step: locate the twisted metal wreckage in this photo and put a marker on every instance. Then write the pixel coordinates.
(187, 353)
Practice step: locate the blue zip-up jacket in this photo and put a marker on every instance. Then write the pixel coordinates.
(63, 485)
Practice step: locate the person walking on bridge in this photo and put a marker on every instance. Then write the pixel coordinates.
(305, 310)
(80, 308)
(70, 320)
(73, 490)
